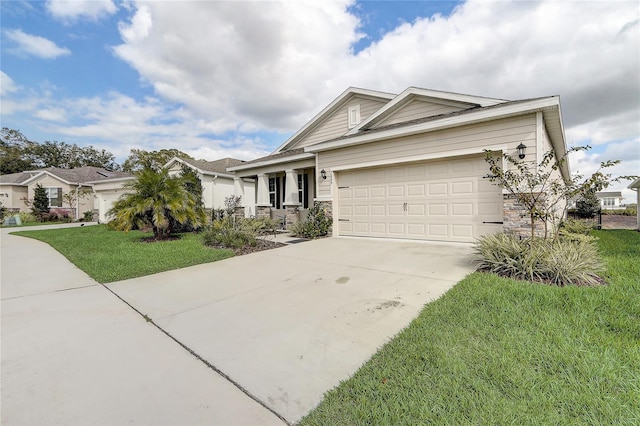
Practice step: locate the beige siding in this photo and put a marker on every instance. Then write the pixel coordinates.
(507, 132)
(417, 109)
(337, 125)
(14, 197)
(86, 202)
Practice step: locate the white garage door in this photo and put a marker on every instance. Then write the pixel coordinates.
(438, 200)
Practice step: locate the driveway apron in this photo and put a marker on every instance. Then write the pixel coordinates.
(74, 354)
(289, 324)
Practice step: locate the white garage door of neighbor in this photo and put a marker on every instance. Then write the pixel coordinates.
(437, 200)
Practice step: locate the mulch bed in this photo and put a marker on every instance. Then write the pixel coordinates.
(260, 246)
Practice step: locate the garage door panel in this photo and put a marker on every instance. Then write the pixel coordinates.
(396, 209)
(439, 188)
(345, 227)
(378, 210)
(415, 209)
(416, 190)
(462, 188)
(378, 192)
(462, 209)
(446, 200)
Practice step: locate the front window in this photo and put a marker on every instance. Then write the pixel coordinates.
(272, 191)
(609, 202)
(55, 196)
(302, 190)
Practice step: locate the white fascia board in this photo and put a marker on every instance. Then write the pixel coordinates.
(329, 108)
(120, 179)
(282, 160)
(635, 185)
(468, 118)
(446, 98)
(45, 172)
(191, 166)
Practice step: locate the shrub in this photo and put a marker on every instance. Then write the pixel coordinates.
(574, 226)
(558, 261)
(27, 217)
(87, 216)
(317, 223)
(222, 233)
(259, 226)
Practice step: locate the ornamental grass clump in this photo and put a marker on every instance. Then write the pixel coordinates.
(559, 261)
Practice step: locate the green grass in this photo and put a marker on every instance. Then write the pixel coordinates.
(27, 224)
(108, 255)
(500, 351)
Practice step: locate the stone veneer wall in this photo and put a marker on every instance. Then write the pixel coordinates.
(516, 218)
(239, 212)
(263, 211)
(291, 215)
(328, 207)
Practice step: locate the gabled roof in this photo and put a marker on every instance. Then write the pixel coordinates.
(549, 106)
(635, 184)
(603, 194)
(329, 110)
(15, 178)
(459, 100)
(279, 157)
(72, 176)
(217, 167)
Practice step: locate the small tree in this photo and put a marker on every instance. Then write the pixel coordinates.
(157, 200)
(40, 205)
(72, 197)
(588, 204)
(541, 189)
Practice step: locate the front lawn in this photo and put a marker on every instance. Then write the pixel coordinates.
(500, 351)
(108, 255)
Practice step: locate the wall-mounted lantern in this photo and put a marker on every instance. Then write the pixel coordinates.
(323, 174)
(521, 150)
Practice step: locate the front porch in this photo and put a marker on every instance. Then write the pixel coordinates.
(285, 185)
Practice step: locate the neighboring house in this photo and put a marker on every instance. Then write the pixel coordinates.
(610, 200)
(217, 183)
(409, 165)
(17, 189)
(635, 186)
(106, 193)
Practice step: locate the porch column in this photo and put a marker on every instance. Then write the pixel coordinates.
(291, 197)
(263, 190)
(238, 188)
(291, 202)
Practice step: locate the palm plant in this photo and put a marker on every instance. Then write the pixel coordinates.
(157, 200)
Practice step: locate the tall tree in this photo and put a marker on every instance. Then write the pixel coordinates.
(140, 159)
(17, 154)
(156, 200)
(13, 152)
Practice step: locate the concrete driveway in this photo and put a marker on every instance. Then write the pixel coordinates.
(281, 327)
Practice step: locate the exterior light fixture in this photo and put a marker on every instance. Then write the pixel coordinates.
(323, 174)
(521, 150)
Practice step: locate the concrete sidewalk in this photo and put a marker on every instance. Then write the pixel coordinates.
(289, 324)
(74, 354)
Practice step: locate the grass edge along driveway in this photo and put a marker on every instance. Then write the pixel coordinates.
(107, 255)
(500, 351)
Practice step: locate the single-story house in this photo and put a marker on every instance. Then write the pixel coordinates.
(17, 189)
(408, 165)
(635, 186)
(611, 200)
(217, 183)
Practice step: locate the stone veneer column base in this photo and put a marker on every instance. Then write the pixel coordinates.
(291, 215)
(263, 211)
(239, 212)
(516, 218)
(328, 208)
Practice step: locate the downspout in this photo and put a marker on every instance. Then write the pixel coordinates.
(78, 202)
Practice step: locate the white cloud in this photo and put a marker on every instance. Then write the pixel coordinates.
(31, 45)
(6, 85)
(74, 9)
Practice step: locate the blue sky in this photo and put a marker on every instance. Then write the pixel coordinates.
(219, 79)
